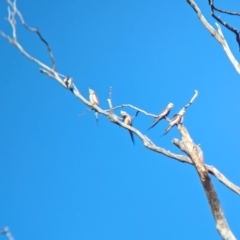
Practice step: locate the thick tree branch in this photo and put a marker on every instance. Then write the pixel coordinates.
(194, 152)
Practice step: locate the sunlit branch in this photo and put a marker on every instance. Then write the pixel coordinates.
(215, 34)
(35, 30)
(195, 153)
(110, 100)
(135, 108)
(12, 21)
(115, 119)
(192, 99)
(148, 143)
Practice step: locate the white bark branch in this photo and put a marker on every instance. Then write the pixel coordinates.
(52, 73)
(218, 35)
(114, 118)
(194, 152)
(13, 5)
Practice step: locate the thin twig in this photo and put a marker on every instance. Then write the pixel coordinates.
(110, 100)
(226, 11)
(192, 99)
(81, 114)
(135, 108)
(44, 68)
(6, 231)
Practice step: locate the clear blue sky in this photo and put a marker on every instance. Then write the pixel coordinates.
(63, 177)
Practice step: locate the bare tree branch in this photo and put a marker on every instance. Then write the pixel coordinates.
(6, 231)
(228, 26)
(189, 147)
(110, 100)
(35, 30)
(192, 99)
(222, 10)
(115, 119)
(12, 21)
(194, 152)
(135, 108)
(150, 114)
(219, 37)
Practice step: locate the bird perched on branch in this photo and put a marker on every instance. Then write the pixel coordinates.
(162, 115)
(126, 118)
(94, 101)
(177, 119)
(68, 82)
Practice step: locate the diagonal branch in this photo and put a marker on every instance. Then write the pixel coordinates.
(113, 117)
(193, 151)
(13, 41)
(35, 30)
(151, 146)
(6, 231)
(192, 99)
(225, 24)
(219, 37)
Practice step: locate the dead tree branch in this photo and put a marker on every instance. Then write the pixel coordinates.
(135, 108)
(192, 99)
(115, 119)
(222, 10)
(35, 30)
(225, 24)
(150, 114)
(110, 100)
(5, 231)
(218, 35)
(195, 153)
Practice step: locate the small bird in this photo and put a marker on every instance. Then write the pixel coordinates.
(94, 101)
(162, 115)
(126, 118)
(177, 119)
(68, 82)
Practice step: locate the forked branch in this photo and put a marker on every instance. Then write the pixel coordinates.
(113, 117)
(216, 34)
(225, 24)
(35, 30)
(194, 154)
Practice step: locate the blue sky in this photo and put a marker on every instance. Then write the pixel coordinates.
(63, 177)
